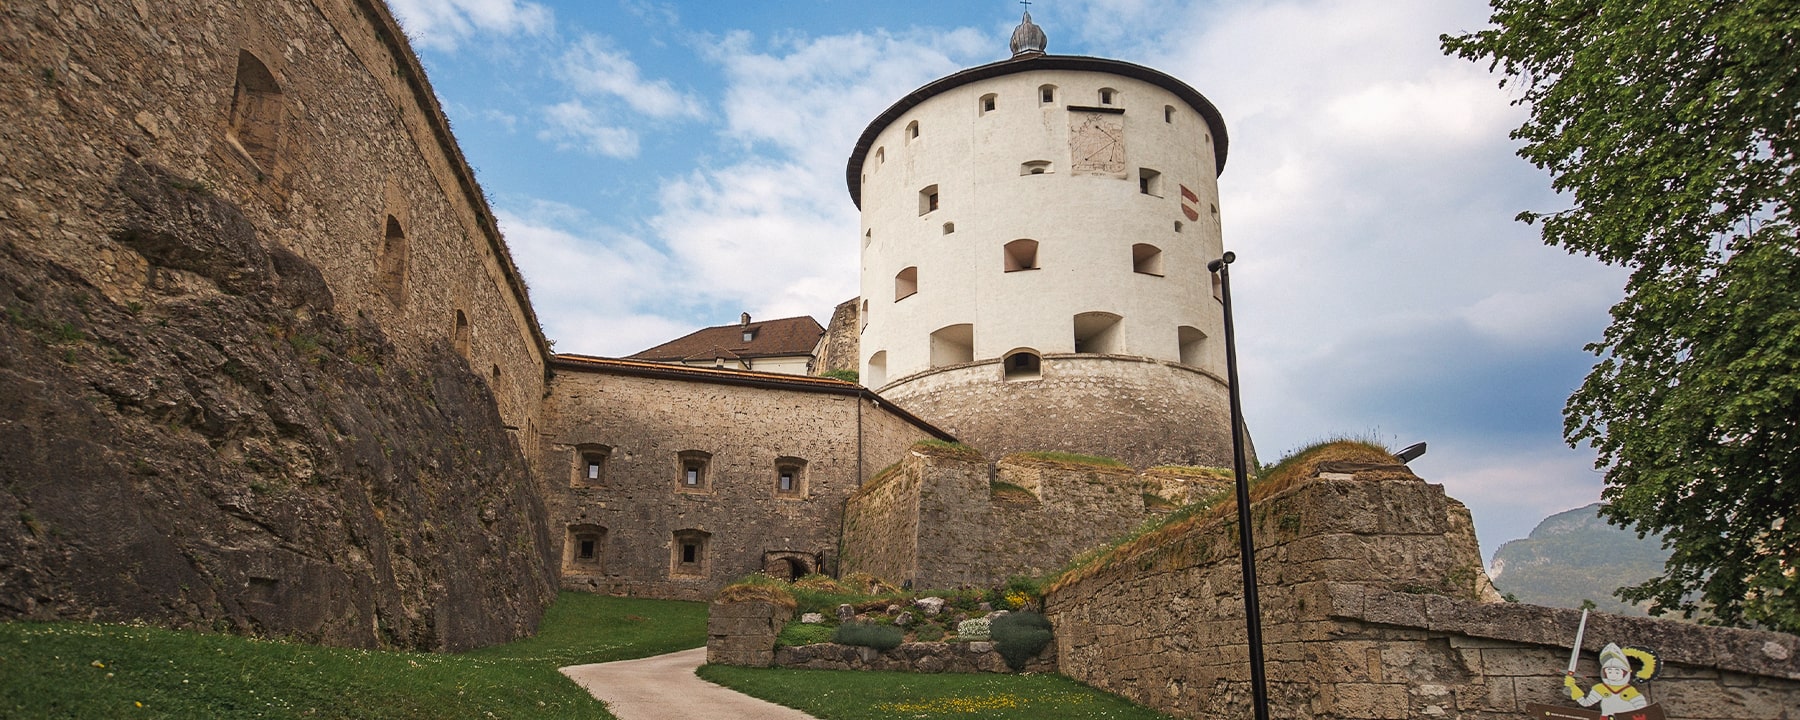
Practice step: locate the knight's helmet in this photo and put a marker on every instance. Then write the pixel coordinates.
(1612, 656)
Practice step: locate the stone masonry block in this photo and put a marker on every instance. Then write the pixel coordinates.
(1369, 700)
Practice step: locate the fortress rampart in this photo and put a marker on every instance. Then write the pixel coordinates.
(1371, 608)
(1142, 411)
(941, 518)
(262, 329)
(670, 481)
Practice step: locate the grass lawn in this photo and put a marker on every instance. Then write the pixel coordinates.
(854, 695)
(84, 670)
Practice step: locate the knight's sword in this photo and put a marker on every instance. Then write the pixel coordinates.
(1575, 654)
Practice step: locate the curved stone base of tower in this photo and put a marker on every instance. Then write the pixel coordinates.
(1141, 411)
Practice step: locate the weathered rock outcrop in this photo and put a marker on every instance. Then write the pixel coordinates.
(233, 453)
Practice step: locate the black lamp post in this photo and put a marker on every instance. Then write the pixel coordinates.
(1259, 685)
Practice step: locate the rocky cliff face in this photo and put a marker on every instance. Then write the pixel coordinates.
(1574, 556)
(233, 453)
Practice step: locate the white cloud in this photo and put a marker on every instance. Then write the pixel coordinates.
(593, 67)
(598, 293)
(444, 24)
(773, 233)
(573, 126)
(811, 97)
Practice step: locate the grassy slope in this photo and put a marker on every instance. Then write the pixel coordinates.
(853, 695)
(81, 670)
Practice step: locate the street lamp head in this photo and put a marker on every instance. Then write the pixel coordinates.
(1221, 262)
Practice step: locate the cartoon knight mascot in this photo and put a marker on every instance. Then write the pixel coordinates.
(1615, 693)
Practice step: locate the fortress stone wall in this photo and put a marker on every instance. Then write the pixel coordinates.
(941, 518)
(671, 482)
(266, 362)
(1371, 608)
(1142, 411)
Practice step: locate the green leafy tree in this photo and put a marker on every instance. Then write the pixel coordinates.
(1671, 124)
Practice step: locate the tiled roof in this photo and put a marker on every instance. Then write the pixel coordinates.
(773, 338)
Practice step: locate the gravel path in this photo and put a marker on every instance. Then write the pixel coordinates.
(665, 688)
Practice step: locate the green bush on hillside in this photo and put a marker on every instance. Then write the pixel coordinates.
(1019, 637)
(799, 633)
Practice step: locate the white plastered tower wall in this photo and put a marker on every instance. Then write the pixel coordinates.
(1111, 170)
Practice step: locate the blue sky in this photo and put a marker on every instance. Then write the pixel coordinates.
(659, 167)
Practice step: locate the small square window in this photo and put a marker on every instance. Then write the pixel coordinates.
(749, 335)
(589, 466)
(690, 553)
(587, 549)
(691, 470)
(786, 482)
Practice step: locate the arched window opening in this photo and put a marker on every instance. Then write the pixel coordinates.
(1150, 182)
(864, 314)
(912, 130)
(789, 565)
(1035, 167)
(1097, 333)
(1023, 365)
(583, 546)
(953, 345)
(691, 471)
(256, 112)
(988, 103)
(1046, 94)
(1021, 255)
(1108, 96)
(1177, 226)
(590, 465)
(1168, 113)
(390, 265)
(1146, 259)
(949, 227)
(928, 199)
(906, 283)
(880, 157)
(1193, 345)
(877, 375)
(790, 477)
(460, 337)
(688, 556)
(868, 237)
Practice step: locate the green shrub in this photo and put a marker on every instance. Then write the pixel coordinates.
(928, 633)
(799, 633)
(880, 637)
(846, 375)
(1019, 637)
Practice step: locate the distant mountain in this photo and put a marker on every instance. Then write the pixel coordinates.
(1573, 556)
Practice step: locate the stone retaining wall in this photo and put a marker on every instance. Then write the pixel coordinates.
(1367, 614)
(938, 520)
(743, 633)
(920, 657)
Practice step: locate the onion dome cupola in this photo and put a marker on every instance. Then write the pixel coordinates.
(1028, 38)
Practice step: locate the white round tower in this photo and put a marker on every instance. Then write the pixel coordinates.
(1035, 234)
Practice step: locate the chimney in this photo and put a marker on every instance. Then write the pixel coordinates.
(744, 319)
